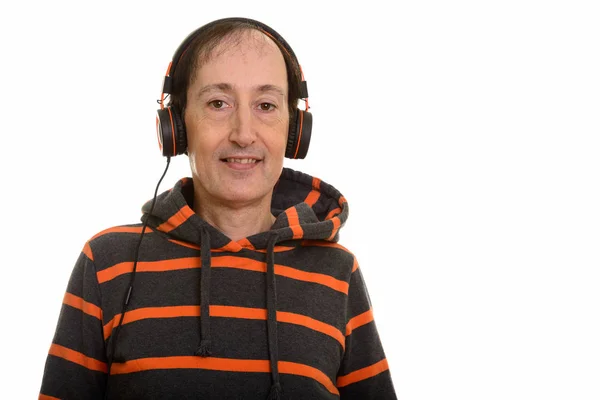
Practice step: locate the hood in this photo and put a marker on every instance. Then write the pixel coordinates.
(305, 208)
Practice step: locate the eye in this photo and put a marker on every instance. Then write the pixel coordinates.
(218, 104)
(266, 106)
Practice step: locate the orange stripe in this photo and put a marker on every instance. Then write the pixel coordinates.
(316, 183)
(363, 373)
(292, 368)
(301, 115)
(359, 320)
(238, 312)
(162, 94)
(314, 277)
(282, 316)
(332, 213)
(182, 243)
(289, 272)
(221, 364)
(292, 216)
(235, 247)
(355, 265)
(336, 226)
(342, 200)
(176, 219)
(223, 262)
(158, 135)
(151, 312)
(294, 222)
(227, 312)
(77, 357)
(311, 323)
(80, 304)
(177, 362)
(147, 266)
(123, 229)
(46, 397)
(276, 249)
(87, 250)
(313, 196)
(246, 243)
(232, 248)
(238, 262)
(172, 132)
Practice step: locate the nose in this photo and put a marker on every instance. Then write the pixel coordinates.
(242, 127)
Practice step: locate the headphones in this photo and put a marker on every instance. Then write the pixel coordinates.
(170, 128)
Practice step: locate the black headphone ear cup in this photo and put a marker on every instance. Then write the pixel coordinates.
(299, 135)
(170, 131)
(180, 133)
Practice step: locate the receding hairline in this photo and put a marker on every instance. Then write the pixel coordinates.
(225, 35)
(232, 40)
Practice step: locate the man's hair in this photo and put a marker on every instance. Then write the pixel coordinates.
(201, 49)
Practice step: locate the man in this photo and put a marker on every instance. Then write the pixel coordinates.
(235, 286)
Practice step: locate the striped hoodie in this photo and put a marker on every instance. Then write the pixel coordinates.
(282, 314)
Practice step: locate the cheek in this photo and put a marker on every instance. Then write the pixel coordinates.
(277, 139)
(196, 127)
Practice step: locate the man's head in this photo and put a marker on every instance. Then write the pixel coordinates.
(236, 90)
(196, 49)
(202, 49)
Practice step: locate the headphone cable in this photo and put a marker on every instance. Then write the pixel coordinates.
(131, 281)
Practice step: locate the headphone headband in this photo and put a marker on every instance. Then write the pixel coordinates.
(170, 126)
(183, 47)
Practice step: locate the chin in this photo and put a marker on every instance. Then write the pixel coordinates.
(243, 196)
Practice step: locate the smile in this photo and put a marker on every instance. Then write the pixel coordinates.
(241, 160)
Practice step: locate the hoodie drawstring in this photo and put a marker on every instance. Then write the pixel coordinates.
(204, 349)
(271, 295)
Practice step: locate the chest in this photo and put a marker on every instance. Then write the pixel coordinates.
(163, 329)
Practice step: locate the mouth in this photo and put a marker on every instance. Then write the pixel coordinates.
(241, 164)
(241, 160)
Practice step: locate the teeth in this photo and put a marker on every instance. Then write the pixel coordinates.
(241, 160)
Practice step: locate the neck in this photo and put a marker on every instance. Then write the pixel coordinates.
(235, 221)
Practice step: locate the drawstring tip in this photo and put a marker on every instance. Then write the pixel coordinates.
(204, 349)
(275, 393)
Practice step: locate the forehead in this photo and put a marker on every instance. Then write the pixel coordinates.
(246, 53)
(240, 41)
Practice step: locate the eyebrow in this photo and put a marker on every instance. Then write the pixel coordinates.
(223, 87)
(271, 88)
(226, 87)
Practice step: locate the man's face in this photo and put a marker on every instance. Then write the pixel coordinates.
(237, 121)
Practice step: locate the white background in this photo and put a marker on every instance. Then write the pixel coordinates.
(464, 134)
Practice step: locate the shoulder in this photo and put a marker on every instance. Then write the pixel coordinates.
(120, 232)
(116, 239)
(332, 255)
